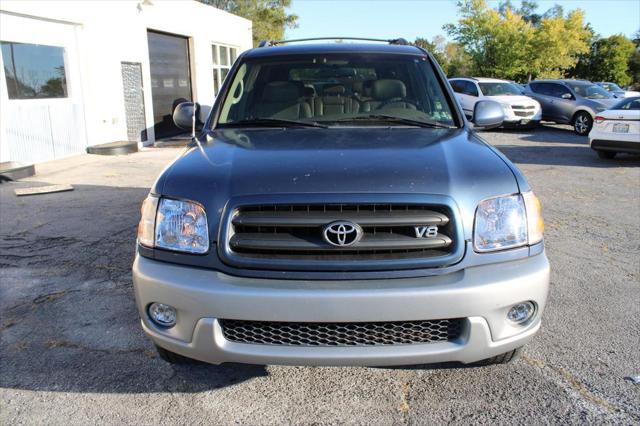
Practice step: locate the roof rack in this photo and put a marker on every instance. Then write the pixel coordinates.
(398, 41)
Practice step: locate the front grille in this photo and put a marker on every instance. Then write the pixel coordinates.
(296, 232)
(523, 113)
(341, 334)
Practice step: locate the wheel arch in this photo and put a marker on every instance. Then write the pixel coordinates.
(578, 111)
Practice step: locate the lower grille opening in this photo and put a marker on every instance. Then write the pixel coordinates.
(342, 334)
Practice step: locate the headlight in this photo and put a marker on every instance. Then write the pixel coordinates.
(507, 222)
(173, 225)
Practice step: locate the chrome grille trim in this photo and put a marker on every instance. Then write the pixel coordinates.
(294, 246)
(297, 229)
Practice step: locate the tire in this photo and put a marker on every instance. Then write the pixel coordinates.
(172, 357)
(606, 155)
(505, 358)
(582, 123)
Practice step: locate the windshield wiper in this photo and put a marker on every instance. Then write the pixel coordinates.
(398, 120)
(272, 122)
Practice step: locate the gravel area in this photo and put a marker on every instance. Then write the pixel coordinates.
(72, 350)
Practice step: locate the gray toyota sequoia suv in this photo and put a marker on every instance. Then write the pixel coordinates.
(336, 208)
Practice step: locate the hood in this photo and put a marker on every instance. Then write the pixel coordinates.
(393, 160)
(514, 100)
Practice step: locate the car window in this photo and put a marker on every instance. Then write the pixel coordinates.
(590, 91)
(470, 88)
(335, 89)
(456, 85)
(499, 89)
(628, 104)
(541, 88)
(558, 90)
(611, 87)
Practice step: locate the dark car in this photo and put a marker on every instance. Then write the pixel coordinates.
(337, 208)
(575, 102)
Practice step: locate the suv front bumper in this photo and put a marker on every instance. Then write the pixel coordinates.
(481, 294)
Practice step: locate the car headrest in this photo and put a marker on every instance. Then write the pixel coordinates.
(281, 91)
(334, 90)
(388, 89)
(309, 91)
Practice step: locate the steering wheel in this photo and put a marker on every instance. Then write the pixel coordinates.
(398, 99)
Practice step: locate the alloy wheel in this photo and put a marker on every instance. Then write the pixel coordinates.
(581, 124)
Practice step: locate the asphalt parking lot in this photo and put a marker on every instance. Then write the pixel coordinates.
(72, 350)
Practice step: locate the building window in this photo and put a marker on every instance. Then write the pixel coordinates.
(34, 71)
(223, 58)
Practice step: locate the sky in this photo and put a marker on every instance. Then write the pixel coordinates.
(425, 18)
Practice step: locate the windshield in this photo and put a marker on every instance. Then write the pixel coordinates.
(629, 103)
(590, 91)
(499, 89)
(336, 90)
(611, 87)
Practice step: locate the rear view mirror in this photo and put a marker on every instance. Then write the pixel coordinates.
(183, 116)
(488, 114)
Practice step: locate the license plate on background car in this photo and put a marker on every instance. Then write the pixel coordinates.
(620, 128)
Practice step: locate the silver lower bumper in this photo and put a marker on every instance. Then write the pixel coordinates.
(482, 295)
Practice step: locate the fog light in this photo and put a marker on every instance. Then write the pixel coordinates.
(522, 312)
(163, 315)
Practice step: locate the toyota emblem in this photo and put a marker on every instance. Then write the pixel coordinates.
(342, 233)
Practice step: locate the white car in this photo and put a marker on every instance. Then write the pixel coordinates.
(617, 129)
(519, 110)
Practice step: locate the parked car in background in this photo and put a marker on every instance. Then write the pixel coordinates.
(617, 129)
(574, 102)
(618, 91)
(519, 110)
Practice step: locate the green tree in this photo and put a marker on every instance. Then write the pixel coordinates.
(519, 44)
(434, 49)
(609, 59)
(634, 62)
(458, 61)
(451, 56)
(269, 17)
(558, 44)
(496, 42)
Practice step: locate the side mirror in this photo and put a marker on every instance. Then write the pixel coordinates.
(488, 114)
(567, 96)
(183, 116)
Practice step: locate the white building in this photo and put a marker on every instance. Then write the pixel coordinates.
(81, 73)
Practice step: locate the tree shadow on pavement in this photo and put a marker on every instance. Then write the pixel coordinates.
(68, 319)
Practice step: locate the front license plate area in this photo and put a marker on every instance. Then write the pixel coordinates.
(620, 128)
